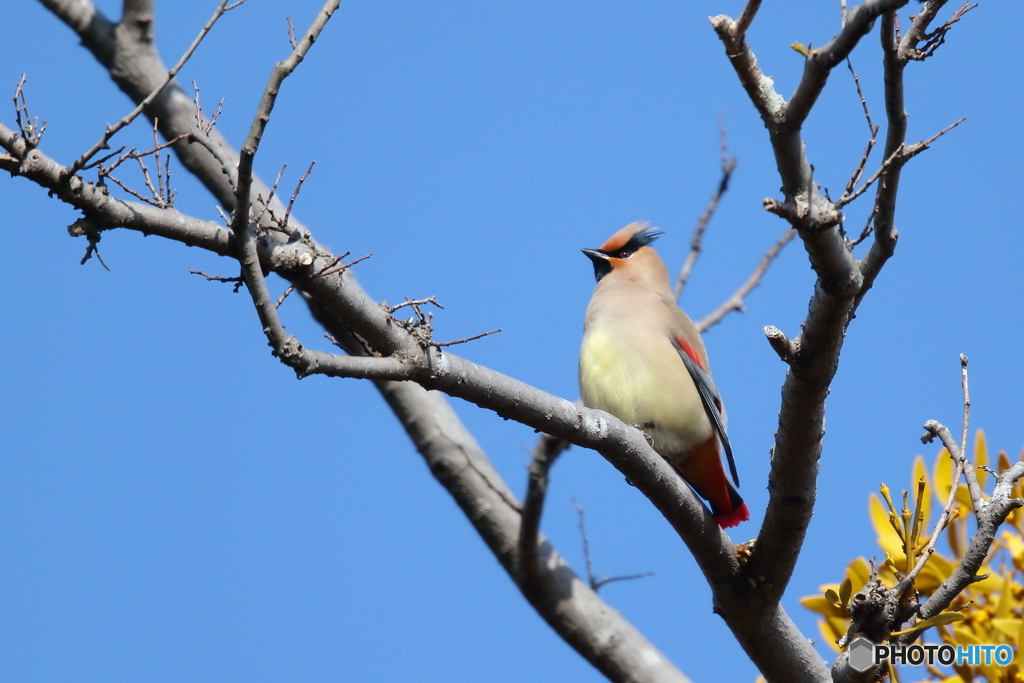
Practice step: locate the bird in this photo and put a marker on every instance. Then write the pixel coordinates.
(643, 361)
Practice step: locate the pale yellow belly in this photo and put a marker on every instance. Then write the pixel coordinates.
(641, 382)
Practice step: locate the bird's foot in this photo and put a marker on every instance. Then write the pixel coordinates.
(642, 426)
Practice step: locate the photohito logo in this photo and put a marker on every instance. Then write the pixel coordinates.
(864, 654)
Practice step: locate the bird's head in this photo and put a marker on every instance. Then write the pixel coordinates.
(628, 253)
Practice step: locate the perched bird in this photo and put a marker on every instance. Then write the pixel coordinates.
(643, 361)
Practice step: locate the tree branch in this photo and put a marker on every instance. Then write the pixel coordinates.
(735, 302)
(728, 166)
(148, 99)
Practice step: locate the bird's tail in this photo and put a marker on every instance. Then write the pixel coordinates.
(702, 470)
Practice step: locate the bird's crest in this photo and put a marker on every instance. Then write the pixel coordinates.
(630, 240)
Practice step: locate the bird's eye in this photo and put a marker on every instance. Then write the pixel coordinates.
(622, 253)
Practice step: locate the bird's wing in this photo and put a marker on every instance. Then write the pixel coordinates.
(709, 396)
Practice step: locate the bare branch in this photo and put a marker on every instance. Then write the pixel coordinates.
(298, 188)
(735, 302)
(728, 166)
(786, 349)
(349, 313)
(919, 31)
(463, 340)
(544, 455)
(131, 116)
(901, 156)
(229, 169)
(93, 237)
(739, 29)
(273, 190)
(291, 32)
(411, 302)
(859, 172)
(30, 128)
(595, 583)
(216, 279)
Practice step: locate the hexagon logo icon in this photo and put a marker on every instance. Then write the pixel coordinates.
(862, 654)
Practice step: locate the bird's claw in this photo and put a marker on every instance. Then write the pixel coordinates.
(642, 426)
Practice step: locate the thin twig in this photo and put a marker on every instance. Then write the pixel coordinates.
(204, 125)
(332, 267)
(936, 38)
(93, 238)
(270, 197)
(735, 302)
(859, 172)
(132, 192)
(902, 154)
(462, 341)
(110, 131)
(298, 188)
(216, 278)
(411, 302)
(595, 583)
(973, 486)
(291, 32)
(728, 166)
(30, 128)
(934, 429)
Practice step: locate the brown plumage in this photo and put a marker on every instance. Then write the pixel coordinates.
(643, 360)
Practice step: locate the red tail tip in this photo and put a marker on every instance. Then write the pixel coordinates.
(731, 519)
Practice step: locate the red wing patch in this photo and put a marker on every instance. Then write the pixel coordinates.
(690, 351)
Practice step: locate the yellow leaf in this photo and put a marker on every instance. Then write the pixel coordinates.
(1020, 645)
(833, 598)
(845, 591)
(1005, 599)
(937, 620)
(956, 531)
(831, 630)
(943, 475)
(993, 583)
(921, 472)
(821, 605)
(963, 496)
(965, 636)
(1015, 545)
(799, 47)
(981, 457)
(888, 540)
(1009, 627)
(1003, 461)
(858, 572)
(935, 571)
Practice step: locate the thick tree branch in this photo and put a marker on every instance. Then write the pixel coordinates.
(563, 599)
(842, 280)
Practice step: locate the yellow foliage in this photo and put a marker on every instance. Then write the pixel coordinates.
(989, 612)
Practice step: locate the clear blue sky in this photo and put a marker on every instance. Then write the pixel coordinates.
(174, 505)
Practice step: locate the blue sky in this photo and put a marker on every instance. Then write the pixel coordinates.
(174, 505)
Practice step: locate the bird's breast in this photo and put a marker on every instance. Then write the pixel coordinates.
(637, 376)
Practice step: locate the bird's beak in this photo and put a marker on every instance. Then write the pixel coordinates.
(602, 264)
